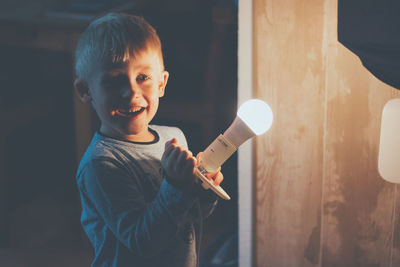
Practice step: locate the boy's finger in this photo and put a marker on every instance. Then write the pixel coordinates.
(168, 150)
(185, 158)
(170, 155)
(170, 146)
(170, 142)
(211, 175)
(182, 157)
(174, 156)
(189, 165)
(199, 155)
(218, 178)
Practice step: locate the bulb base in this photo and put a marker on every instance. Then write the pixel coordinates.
(216, 153)
(238, 132)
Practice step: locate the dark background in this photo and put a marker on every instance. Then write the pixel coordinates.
(40, 208)
(370, 29)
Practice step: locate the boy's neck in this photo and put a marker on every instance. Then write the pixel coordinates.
(144, 137)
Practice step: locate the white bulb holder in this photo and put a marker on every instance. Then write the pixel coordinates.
(217, 153)
(254, 118)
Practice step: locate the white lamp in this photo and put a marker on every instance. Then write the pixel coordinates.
(254, 117)
(389, 147)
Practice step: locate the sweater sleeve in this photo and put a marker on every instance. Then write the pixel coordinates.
(208, 201)
(144, 228)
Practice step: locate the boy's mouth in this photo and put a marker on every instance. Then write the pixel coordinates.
(131, 112)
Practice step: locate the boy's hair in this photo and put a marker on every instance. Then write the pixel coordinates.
(112, 39)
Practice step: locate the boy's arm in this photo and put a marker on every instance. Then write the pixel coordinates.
(143, 228)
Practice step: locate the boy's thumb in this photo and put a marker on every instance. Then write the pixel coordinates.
(172, 141)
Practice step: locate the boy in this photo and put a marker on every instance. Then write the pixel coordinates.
(141, 204)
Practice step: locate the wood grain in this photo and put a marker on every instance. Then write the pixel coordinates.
(320, 199)
(290, 76)
(358, 204)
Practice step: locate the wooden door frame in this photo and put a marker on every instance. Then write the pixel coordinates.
(246, 172)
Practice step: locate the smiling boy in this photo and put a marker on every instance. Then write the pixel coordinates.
(141, 204)
(126, 114)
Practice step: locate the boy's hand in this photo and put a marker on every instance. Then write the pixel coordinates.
(179, 165)
(217, 176)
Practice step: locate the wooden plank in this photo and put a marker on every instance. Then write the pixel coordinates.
(395, 259)
(290, 76)
(246, 188)
(357, 203)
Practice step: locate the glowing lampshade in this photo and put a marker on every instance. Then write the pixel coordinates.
(389, 145)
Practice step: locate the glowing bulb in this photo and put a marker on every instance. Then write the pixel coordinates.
(254, 117)
(257, 115)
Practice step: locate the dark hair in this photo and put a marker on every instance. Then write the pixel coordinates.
(113, 38)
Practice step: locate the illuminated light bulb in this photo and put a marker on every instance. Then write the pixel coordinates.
(257, 115)
(389, 145)
(254, 117)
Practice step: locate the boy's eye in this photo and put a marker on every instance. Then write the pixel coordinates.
(116, 81)
(142, 78)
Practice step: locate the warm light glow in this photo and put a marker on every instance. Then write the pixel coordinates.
(257, 115)
(389, 146)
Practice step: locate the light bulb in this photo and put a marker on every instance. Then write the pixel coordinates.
(254, 117)
(257, 115)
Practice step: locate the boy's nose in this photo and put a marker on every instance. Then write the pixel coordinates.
(131, 91)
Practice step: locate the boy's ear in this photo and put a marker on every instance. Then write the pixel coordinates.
(163, 83)
(82, 89)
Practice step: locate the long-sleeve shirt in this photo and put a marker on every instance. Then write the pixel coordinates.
(130, 213)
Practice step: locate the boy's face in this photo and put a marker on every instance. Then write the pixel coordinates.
(126, 96)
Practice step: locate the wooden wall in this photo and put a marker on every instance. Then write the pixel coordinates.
(319, 198)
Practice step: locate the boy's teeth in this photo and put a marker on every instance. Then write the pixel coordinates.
(134, 109)
(131, 111)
